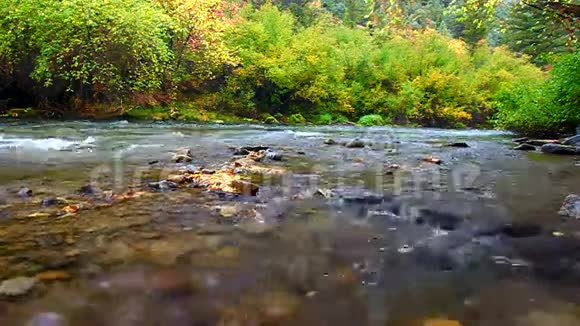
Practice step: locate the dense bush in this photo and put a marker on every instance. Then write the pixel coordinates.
(413, 76)
(546, 107)
(371, 120)
(269, 64)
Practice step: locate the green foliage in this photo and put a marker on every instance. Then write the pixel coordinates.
(412, 76)
(535, 33)
(95, 48)
(544, 107)
(371, 120)
(408, 62)
(296, 119)
(324, 119)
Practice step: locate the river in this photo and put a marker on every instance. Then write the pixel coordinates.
(374, 235)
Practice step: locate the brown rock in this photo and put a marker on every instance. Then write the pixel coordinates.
(431, 159)
(53, 276)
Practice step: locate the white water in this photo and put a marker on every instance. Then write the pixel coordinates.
(47, 144)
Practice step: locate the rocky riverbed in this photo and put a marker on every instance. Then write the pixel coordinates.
(122, 223)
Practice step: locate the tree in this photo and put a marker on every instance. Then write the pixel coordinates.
(90, 50)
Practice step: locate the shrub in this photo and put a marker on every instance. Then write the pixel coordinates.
(371, 120)
(548, 107)
(324, 119)
(296, 119)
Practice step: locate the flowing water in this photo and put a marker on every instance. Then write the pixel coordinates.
(346, 236)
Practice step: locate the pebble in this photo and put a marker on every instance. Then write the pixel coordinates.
(17, 286)
(24, 192)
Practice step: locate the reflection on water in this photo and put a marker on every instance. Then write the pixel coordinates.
(357, 236)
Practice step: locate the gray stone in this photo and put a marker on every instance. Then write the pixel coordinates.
(572, 141)
(163, 185)
(458, 144)
(560, 149)
(274, 156)
(355, 143)
(330, 141)
(525, 147)
(17, 286)
(24, 192)
(571, 207)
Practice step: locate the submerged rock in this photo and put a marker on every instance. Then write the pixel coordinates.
(572, 141)
(163, 185)
(521, 230)
(17, 286)
(245, 187)
(433, 160)
(274, 156)
(458, 145)
(182, 159)
(560, 149)
(245, 150)
(88, 190)
(25, 192)
(443, 220)
(330, 141)
(525, 147)
(571, 207)
(53, 202)
(355, 143)
(182, 155)
(191, 168)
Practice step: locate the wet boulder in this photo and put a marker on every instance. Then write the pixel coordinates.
(571, 207)
(355, 143)
(572, 141)
(525, 147)
(458, 145)
(560, 149)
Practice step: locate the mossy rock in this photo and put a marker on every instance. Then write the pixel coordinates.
(271, 120)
